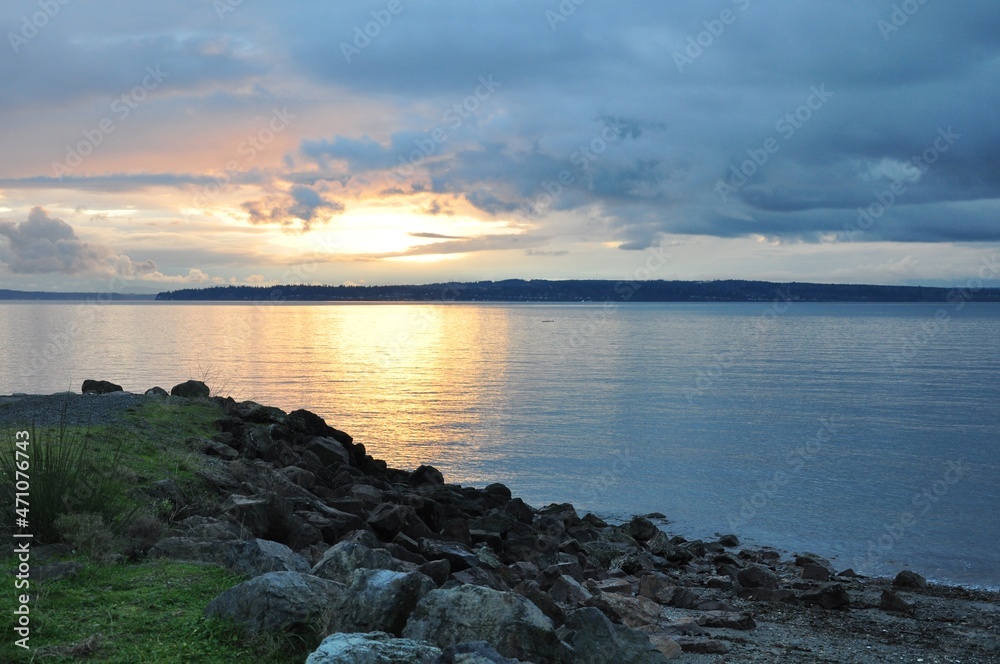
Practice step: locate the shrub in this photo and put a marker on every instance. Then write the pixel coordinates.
(86, 532)
(71, 472)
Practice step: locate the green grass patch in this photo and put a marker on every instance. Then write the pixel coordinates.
(128, 614)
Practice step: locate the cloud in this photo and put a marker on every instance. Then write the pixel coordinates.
(438, 236)
(43, 244)
(302, 205)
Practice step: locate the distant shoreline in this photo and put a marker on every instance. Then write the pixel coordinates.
(542, 291)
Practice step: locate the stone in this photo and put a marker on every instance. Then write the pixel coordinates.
(729, 541)
(542, 600)
(827, 596)
(459, 557)
(641, 528)
(387, 520)
(594, 638)
(893, 603)
(437, 570)
(372, 648)
(656, 586)
(206, 528)
(342, 559)
(509, 622)
(380, 600)
(475, 652)
(767, 594)
(221, 450)
(702, 646)
(498, 491)
(279, 602)
(186, 549)
(257, 556)
(567, 590)
(300, 477)
(727, 620)
(426, 476)
(266, 514)
(156, 392)
(329, 451)
(191, 389)
(100, 387)
(618, 586)
(755, 576)
(908, 579)
(815, 573)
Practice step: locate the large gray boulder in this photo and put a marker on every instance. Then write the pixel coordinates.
(280, 602)
(507, 621)
(372, 648)
(342, 559)
(596, 639)
(258, 556)
(379, 600)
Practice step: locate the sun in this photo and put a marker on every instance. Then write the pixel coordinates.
(389, 231)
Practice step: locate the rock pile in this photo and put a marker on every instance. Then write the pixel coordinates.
(398, 566)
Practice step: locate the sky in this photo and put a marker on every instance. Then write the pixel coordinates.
(150, 146)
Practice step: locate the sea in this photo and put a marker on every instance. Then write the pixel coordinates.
(867, 433)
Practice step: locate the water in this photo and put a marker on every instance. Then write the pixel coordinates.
(870, 433)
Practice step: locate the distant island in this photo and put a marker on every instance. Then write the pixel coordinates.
(581, 290)
(541, 290)
(45, 295)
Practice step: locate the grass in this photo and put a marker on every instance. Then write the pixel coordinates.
(101, 470)
(129, 614)
(151, 611)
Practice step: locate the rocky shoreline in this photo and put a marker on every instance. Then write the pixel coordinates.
(389, 565)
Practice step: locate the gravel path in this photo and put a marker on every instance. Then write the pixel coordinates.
(79, 409)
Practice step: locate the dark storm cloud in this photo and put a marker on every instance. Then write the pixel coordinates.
(730, 118)
(848, 93)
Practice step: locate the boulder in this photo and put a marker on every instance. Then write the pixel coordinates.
(426, 476)
(266, 514)
(476, 652)
(280, 602)
(329, 451)
(341, 560)
(191, 389)
(257, 556)
(380, 600)
(596, 639)
(908, 579)
(507, 621)
(372, 648)
(387, 520)
(755, 576)
(567, 590)
(100, 387)
(729, 541)
(156, 392)
(641, 528)
(893, 603)
(827, 596)
(459, 557)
